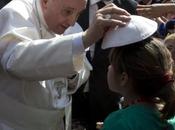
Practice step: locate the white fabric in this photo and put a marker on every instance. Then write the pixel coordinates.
(23, 117)
(138, 29)
(32, 60)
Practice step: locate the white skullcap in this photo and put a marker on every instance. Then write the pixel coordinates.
(138, 29)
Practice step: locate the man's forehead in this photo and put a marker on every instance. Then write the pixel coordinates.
(74, 3)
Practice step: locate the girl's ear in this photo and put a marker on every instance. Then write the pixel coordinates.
(124, 79)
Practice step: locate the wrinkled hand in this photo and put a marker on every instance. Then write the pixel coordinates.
(155, 10)
(107, 17)
(161, 19)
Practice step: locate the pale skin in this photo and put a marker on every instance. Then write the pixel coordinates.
(156, 10)
(121, 83)
(60, 14)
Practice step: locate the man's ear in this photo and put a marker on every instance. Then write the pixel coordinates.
(44, 3)
(123, 79)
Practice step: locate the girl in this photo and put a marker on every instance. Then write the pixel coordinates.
(143, 73)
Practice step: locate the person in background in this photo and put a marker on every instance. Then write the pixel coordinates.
(3, 3)
(162, 13)
(141, 69)
(148, 2)
(156, 10)
(169, 41)
(166, 28)
(38, 61)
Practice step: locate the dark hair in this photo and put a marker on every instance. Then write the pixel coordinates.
(149, 65)
(170, 24)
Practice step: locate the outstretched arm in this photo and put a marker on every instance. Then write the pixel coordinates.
(156, 10)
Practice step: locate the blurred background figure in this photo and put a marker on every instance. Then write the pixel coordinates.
(148, 2)
(163, 13)
(166, 28)
(3, 3)
(169, 41)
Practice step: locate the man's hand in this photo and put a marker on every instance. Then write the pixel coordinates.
(107, 17)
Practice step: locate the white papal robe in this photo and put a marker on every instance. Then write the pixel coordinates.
(33, 92)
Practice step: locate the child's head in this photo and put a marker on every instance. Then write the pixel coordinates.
(143, 69)
(170, 43)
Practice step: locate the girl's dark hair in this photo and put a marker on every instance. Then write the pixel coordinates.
(149, 65)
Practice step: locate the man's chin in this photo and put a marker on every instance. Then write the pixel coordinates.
(59, 32)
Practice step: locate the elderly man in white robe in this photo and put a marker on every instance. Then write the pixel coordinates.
(40, 66)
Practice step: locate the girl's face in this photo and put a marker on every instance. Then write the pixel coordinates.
(114, 80)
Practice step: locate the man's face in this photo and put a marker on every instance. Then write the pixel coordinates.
(60, 14)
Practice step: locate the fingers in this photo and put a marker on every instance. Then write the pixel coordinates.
(112, 20)
(113, 9)
(143, 6)
(164, 18)
(108, 17)
(145, 12)
(111, 14)
(142, 11)
(110, 23)
(151, 11)
(122, 19)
